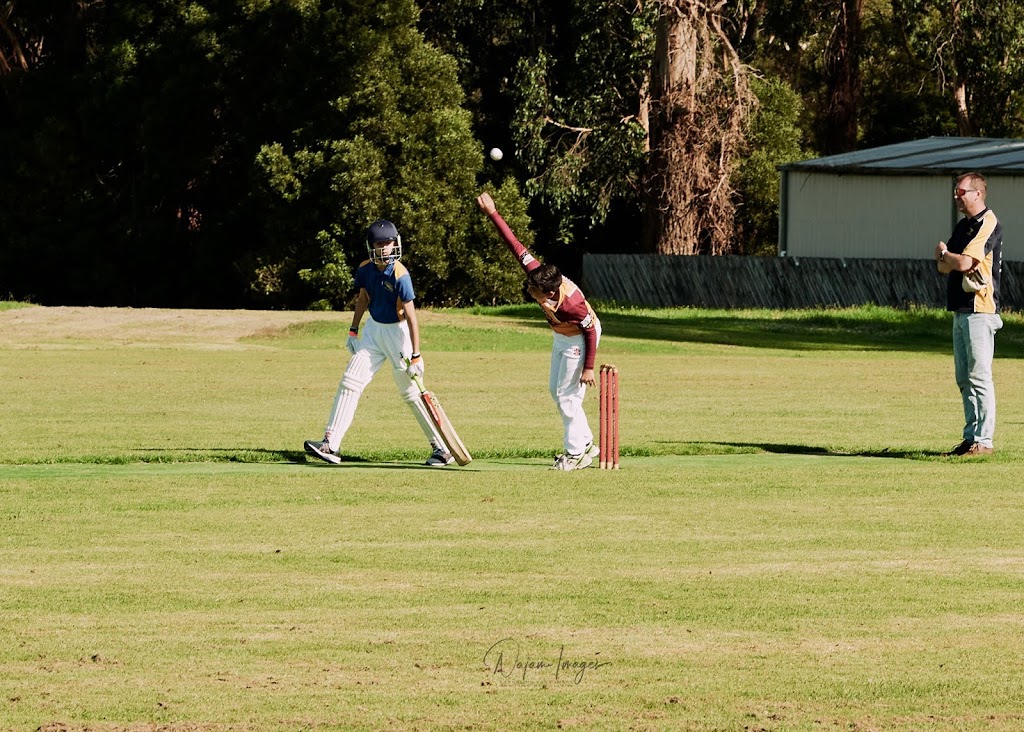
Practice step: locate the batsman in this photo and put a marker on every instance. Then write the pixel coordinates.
(577, 331)
(391, 336)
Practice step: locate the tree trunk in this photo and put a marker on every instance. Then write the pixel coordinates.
(964, 121)
(842, 65)
(670, 228)
(698, 105)
(12, 56)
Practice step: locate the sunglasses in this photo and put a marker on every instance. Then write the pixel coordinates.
(961, 192)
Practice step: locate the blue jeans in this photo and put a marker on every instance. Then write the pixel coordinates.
(974, 340)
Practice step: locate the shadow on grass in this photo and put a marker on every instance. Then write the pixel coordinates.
(218, 455)
(784, 449)
(856, 329)
(407, 462)
(262, 455)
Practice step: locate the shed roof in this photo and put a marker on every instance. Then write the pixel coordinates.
(930, 155)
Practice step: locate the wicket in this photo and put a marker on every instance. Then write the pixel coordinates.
(609, 430)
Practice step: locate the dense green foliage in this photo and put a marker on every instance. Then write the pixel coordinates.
(229, 152)
(558, 85)
(233, 153)
(393, 142)
(774, 139)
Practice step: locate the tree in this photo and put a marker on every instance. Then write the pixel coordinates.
(774, 138)
(598, 141)
(843, 79)
(815, 48)
(974, 53)
(903, 99)
(700, 100)
(392, 141)
(560, 85)
(43, 44)
(217, 153)
(44, 31)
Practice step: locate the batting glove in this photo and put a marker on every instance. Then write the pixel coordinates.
(415, 366)
(352, 343)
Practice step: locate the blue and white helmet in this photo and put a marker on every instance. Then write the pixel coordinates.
(383, 242)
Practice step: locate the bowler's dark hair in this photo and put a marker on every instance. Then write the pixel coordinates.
(546, 278)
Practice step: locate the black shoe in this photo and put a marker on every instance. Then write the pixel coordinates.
(962, 449)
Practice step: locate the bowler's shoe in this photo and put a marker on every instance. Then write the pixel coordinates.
(977, 450)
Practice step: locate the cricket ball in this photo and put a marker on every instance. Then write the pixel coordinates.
(496, 153)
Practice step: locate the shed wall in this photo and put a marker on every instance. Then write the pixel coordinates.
(885, 216)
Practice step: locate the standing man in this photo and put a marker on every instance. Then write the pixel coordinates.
(391, 335)
(574, 349)
(973, 260)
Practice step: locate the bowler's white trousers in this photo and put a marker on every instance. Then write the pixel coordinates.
(567, 391)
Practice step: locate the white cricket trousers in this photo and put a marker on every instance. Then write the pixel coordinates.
(380, 343)
(567, 391)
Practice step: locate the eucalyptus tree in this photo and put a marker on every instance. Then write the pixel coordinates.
(700, 102)
(974, 53)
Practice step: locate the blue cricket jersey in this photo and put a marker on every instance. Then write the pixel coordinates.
(388, 290)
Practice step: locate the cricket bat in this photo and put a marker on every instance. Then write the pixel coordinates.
(443, 424)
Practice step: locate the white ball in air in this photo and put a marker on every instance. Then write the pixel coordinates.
(496, 153)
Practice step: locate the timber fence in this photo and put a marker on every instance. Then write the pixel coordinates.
(658, 280)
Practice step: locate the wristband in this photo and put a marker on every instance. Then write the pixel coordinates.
(414, 358)
(353, 331)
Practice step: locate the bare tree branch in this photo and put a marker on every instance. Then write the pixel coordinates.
(13, 51)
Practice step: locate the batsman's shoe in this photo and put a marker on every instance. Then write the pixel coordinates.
(573, 462)
(591, 451)
(439, 458)
(323, 451)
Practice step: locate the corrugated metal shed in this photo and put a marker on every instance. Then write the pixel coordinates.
(895, 201)
(933, 154)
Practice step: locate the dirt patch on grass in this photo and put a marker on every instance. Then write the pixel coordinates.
(66, 326)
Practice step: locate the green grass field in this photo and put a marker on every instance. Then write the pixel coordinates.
(783, 549)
